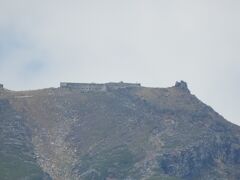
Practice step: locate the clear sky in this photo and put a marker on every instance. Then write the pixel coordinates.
(153, 42)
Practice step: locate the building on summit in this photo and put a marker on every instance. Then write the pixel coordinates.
(87, 87)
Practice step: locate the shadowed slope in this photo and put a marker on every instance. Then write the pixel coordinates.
(17, 158)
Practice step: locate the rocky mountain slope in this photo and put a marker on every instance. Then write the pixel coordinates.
(123, 134)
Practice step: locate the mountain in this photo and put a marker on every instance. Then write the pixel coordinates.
(116, 132)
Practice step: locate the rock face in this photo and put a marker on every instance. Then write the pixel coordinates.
(123, 134)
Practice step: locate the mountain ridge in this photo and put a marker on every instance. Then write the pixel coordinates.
(126, 133)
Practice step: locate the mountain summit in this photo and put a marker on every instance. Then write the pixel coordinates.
(114, 131)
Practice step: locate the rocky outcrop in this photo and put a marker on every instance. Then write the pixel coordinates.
(202, 159)
(182, 85)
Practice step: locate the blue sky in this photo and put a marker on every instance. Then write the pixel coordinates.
(149, 41)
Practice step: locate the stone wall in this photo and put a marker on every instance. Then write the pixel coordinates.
(86, 87)
(122, 85)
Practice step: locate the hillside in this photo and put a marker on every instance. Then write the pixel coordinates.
(129, 133)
